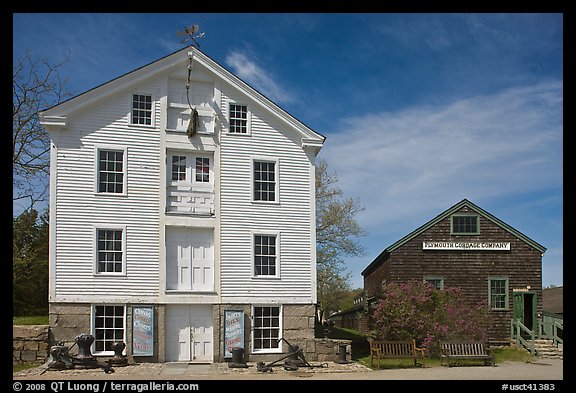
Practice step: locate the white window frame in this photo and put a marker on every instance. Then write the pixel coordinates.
(153, 109)
(253, 254)
(248, 119)
(434, 278)
(253, 328)
(171, 167)
(276, 162)
(191, 168)
(111, 227)
(97, 149)
(195, 170)
(93, 327)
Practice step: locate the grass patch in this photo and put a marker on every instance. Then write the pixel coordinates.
(504, 354)
(388, 364)
(512, 354)
(31, 320)
(19, 367)
(339, 333)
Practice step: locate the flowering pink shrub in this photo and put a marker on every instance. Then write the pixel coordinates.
(418, 310)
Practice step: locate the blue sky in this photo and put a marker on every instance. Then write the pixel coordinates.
(420, 110)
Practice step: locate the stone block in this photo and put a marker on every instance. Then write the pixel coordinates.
(18, 345)
(70, 309)
(67, 335)
(296, 323)
(298, 310)
(73, 320)
(30, 332)
(30, 346)
(28, 356)
(310, 346)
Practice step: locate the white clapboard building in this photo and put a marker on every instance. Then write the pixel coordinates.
(181, 239)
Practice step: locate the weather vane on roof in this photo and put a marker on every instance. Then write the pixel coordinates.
(190, 32)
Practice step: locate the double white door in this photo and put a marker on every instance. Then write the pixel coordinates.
(189, 330)
(190, 259)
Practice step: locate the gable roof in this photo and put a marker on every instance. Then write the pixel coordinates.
(57, 114)
(448, 213)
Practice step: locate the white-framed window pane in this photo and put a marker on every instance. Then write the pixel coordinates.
(179, 168)
(202, 169)
(142, 109)
(111, 171)
(266, 327)
(264, 181)
(238, 119)
(108, 327)
(265, 255)
(498, 293)
(109, 250)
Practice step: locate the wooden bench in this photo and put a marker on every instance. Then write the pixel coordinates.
(395, 350)
(465, 350)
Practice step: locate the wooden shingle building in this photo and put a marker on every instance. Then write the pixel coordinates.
(469, 248)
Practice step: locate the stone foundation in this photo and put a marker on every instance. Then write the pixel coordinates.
(67, 321)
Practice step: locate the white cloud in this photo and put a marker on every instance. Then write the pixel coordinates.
(408, 163)
(250, 72)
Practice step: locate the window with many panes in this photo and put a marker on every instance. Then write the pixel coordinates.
(238, 119)
(109, 251)
(108, 327)
(190, 169)
(178, 168)
(498, 293)
(111, 171)
(142, 109)
(465, 225)
(265, 181)
(265, 255)
(266, 328)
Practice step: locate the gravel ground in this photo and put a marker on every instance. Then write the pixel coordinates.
(539, 370)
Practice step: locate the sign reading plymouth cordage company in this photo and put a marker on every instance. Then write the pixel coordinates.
(480, 246)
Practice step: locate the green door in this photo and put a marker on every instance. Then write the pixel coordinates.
(525, 309)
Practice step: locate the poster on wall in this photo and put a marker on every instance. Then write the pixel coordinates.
(143, 330)
(233, 331)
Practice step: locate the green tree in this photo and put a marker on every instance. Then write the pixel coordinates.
(36, 85)
(337, 235)
(30, 264)
(333, 289)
